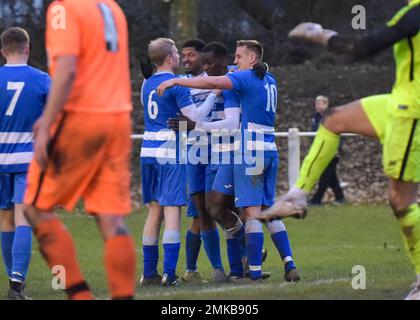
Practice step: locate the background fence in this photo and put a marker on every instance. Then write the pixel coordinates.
(293, 137)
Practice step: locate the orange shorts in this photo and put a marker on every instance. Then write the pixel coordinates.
(89, 159)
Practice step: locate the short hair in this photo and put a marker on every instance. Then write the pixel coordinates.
(323, 98)
(252, 45)
(195, 43)
(159, 49)
(217, 48)
(14, 40)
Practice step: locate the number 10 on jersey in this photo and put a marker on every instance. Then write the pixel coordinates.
(271, 97)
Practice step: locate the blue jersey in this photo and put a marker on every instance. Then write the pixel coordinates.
(223, 144)
(159, 142)
(258, 99)
(199, 96)
(23, 94)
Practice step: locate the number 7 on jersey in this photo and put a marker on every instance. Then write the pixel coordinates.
(17, 87)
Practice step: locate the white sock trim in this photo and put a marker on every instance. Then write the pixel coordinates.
(287, 259)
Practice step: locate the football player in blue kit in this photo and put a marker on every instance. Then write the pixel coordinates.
(215, 178)
(255, 170)
(203, 229)
(23, 94)
(162, 167)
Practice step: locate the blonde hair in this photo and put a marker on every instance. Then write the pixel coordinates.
(252, 45)
(323, 98)
(159, 49)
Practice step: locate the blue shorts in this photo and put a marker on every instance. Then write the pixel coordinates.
(165, 184)
(196, 178)
(191, 210)
(207, 178)
(220, 179)
(256, 190)
(197, 175)
(12, 189)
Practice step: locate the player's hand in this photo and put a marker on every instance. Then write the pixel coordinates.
(174, 123)
(164, 86)
(42, 139)
(312, 32)
(282, 209)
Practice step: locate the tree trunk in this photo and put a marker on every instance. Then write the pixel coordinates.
(183, 17)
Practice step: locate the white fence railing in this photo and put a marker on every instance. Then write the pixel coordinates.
(293, 142)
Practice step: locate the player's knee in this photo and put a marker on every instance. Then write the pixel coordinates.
(401, 196)
(332, 120)
(112, 226)
(216, 213)
(32, 215)
(7, 221)
(253, 226)
(207, 222)
(195, 226)
(398, 203)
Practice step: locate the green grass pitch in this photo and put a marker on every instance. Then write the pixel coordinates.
(326, 245)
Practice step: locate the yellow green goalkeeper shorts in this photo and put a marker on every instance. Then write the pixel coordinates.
(400, 139)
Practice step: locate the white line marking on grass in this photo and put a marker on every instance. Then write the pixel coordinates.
(227, 287)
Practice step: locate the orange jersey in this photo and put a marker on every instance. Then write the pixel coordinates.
(95, 31)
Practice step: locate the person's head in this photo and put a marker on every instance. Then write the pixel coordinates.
(215, 60)
(321, 104)
(191, 56)
(248, 53)
(163, 53)
(15, 44)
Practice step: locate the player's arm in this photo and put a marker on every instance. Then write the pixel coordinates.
(361, 46)
(199, 114)
(198, 83)
(230, 122)
(232, 112)
(66, 67)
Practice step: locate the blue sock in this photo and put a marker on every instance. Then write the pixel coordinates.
(6, 247)
(234, 256)
(192, 249)
(281, 240)
(21, 251)
(150, 260)
(211, 242)
(170, 259)
(171, 246)
(243, 250)
(239, 235)
(254, 245)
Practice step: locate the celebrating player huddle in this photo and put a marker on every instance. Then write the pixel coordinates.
(208, 145)
(223, 174)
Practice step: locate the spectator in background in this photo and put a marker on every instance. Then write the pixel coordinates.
(329, 178)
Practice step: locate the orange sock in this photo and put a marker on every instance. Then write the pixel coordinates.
(57, 247)
(120, 264)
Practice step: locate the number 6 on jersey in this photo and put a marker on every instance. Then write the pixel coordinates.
(152, 106)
